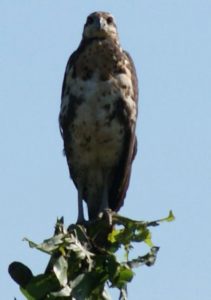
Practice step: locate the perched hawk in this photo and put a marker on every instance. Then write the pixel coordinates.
(98, 116)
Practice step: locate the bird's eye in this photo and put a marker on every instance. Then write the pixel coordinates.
(109, 20)
(90, 20)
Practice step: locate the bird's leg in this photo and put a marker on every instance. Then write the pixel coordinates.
(104, 204)
(81, 218)
(106, 211)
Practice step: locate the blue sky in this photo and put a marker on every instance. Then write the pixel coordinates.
(170, 42)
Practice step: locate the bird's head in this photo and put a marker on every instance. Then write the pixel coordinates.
(100, 25)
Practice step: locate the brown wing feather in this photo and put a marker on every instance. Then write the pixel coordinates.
(122, 172)
(65, 119)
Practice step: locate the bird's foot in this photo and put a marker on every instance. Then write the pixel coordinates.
(106, 214)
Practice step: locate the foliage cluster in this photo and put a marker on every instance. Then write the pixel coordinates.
(84, 260)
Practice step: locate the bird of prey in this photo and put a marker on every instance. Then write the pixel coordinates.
(98, 117)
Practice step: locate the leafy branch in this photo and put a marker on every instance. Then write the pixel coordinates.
(84, 259)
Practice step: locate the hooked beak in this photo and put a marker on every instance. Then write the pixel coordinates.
(99, 24)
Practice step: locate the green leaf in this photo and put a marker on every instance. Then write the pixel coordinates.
(123, 294)
(60, 269)
(26, 294)
(140, 235)
(112, 267)
(41, 285)
(148, 259)
(148, 240)
(124, 275)
(105, 295)
(112, 237)
(49, 245)
(20, 273)
(65, 292)
(170, 217)
(85, 284)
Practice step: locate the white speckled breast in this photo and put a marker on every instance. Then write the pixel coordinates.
(96, 138)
